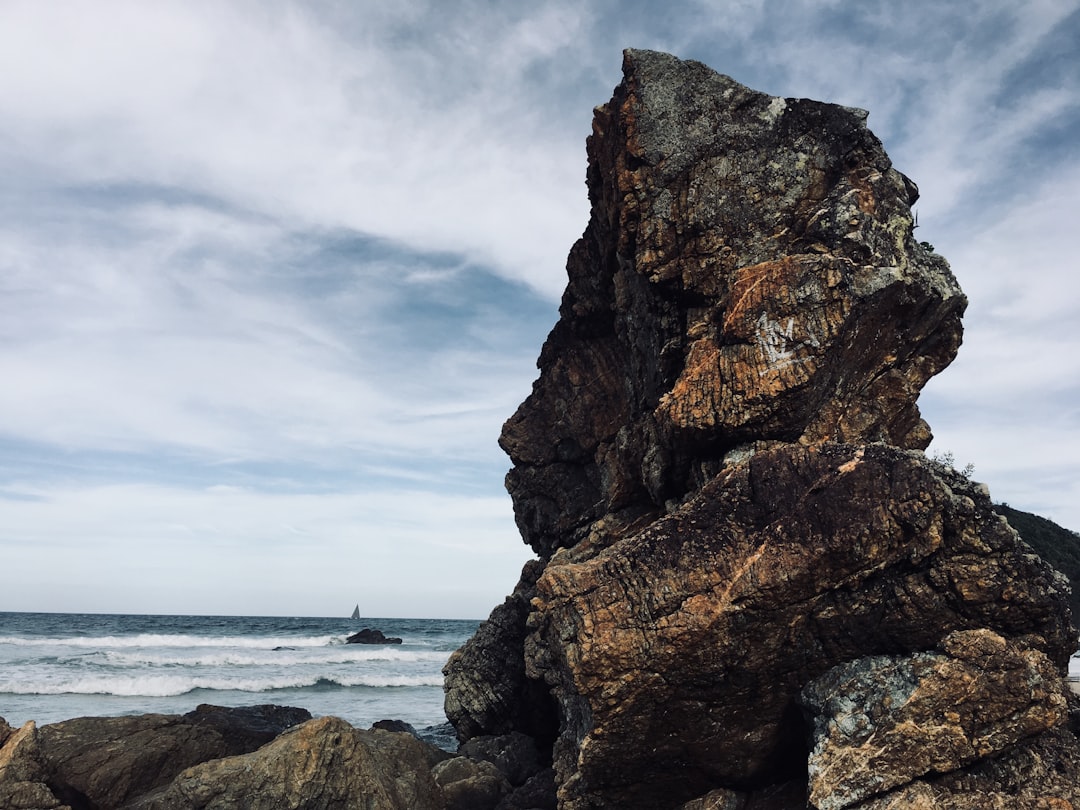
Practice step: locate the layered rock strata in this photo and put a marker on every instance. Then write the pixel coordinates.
(720, 470)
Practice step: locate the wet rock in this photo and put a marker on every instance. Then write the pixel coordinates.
(370, 636)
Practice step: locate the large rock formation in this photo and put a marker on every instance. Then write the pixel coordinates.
(720, 469)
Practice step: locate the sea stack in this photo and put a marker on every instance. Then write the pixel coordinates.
(752, 584)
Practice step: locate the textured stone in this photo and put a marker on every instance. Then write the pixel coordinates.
(881, 722)
(677, 654)
(108, 761)
(23, 776)
(749, 272)
(487, 691)
(470, 784)
(720, 463)
(537, 793)
(514, 754)
(323, 764)
(1040, 774)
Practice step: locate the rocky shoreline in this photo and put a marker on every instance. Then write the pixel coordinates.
(752, 590)
(260, 757)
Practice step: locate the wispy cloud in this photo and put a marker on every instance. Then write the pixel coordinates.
(309, 252)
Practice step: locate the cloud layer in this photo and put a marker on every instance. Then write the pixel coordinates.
(272, 274)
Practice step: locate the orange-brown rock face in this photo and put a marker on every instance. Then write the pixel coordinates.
(720, 464)
(749, 273)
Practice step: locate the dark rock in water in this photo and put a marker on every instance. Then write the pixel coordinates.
(369, 636)
(443, 736)
(720, 468)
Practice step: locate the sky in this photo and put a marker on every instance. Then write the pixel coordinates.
(273, 274)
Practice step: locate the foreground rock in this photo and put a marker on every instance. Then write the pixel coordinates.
(324, 763)
(106, 761)
(885, 721)
(23, 771)
(261, 757)
(720, 469)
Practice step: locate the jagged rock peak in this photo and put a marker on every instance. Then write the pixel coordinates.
(720, 468)
(749, 273)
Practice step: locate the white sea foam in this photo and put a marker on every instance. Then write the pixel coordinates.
(164, 640)
(136, 664)
(174, 685)
(270, 657)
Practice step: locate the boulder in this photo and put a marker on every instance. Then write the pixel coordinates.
(884, 721)
(515, 755)
(395, 725)
(23, 774)
(105, 762)
(749, 273)
(319, 765)
(245, 728)
(535, 793)
(720, 464)
(470, 784)
(678, 654)
(369, 636)
(1042, 773)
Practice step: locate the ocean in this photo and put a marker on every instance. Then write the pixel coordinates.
(56, 666)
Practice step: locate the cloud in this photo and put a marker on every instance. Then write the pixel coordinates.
(261, 262)
(242, 550)
(413, 132)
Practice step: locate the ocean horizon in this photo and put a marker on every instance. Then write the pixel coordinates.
(57, 666)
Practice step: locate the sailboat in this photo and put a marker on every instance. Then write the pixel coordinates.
(356, 613)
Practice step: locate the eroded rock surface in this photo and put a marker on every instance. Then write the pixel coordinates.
(749, 273)
(884, 721)
(23, 771)
(107, 761)
(322, 764)
(720, 463)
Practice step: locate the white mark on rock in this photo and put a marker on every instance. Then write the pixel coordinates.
(778, 343)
